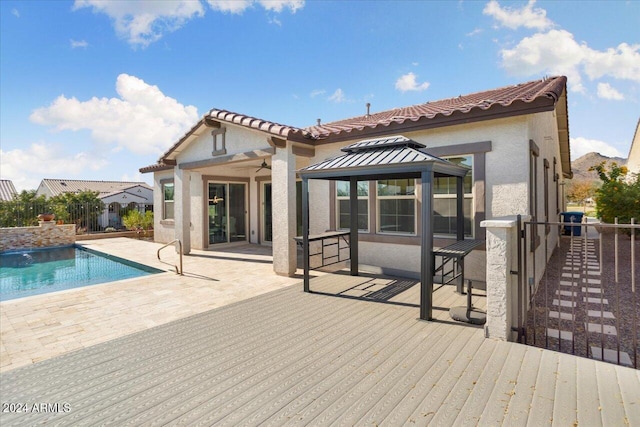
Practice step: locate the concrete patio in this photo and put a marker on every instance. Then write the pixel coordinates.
(43, 326)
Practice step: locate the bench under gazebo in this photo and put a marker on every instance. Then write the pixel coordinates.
(394, 157)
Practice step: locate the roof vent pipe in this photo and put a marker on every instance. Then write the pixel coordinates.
(319, 122)
(368, 107)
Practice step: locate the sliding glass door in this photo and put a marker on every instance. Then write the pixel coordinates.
(267, 211)
(227, 212)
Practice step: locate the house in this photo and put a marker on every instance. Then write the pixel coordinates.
(115, 195)
(7, 190)
(232, 178)
(633, 162)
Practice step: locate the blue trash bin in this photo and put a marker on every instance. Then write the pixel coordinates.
(573, 217)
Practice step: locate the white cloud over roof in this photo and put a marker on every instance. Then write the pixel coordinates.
(557, 52)
(142, 119)
(408, 82)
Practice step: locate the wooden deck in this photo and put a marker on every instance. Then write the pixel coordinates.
(354, 354)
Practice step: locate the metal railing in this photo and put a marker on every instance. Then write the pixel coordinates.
(178, 271)
(96, 217)
(586, 301)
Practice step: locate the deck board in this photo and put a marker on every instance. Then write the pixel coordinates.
(290, 358)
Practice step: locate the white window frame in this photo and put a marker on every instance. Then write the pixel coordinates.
(400, 197)
(470, 196)
(339, 198)
(164, 201)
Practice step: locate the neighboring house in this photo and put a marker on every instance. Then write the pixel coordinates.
(633, 162)
(115, 195)
(232, 178)
(7, 190)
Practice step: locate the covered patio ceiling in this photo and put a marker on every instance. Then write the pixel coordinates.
(395, 157)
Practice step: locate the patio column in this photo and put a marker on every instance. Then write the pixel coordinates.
(182, 208)
(353, 219)
(283, 181)
(305, 232)
(502, 284)
(459, 209)
(426, 246)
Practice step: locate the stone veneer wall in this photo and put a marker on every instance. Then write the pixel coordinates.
(47, 234)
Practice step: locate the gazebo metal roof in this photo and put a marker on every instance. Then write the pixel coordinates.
(396, 157)
(389, 157)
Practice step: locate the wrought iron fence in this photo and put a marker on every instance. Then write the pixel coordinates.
(95, 217)
(586, 302)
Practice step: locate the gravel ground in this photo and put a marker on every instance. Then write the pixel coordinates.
(621, 302)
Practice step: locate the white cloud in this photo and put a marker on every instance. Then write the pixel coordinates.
(555, 52)
(408, 82)
(230, 6)
(606, 91)
(338, 96)
(526, 16)
(144, 22)
(278, 5)
(142, 120)
(25, 167)
(475, 32)
(622, 62)
(317, 92)
(15, 12)
(239, 6)
(78, 43)
(581, 146)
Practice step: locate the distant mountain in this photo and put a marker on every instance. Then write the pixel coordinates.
(581, 165)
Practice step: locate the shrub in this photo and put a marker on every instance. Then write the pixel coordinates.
(619, 195)
(136, 220)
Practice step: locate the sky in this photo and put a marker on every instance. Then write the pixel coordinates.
(94, 89)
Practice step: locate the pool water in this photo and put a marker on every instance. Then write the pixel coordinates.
(27, 273)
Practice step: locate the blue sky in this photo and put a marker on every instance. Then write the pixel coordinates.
(95, 89)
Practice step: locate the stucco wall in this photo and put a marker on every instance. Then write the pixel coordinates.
(46, 235)
(506, 188)
(238, 140)
(163, 230)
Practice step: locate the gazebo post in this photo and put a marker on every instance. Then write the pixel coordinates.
(426, 246)
(459, 209)
(305, 231)
(353, 228)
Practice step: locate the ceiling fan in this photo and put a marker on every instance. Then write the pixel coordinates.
(264, 165)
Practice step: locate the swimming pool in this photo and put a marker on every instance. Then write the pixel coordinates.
(41, 271)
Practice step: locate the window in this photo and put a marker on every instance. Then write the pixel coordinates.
(396, 206)
(534, 152)
(167, 200)
(343, 189)
(445, 200)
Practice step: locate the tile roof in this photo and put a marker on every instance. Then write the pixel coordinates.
(525, 98)
(253, 123)
(156, 167)
(7, 190)
(503, 100)
(59, 186)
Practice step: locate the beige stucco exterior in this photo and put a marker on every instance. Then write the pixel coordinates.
(501, 186)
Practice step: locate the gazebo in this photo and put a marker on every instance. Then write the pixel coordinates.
(394, 157)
